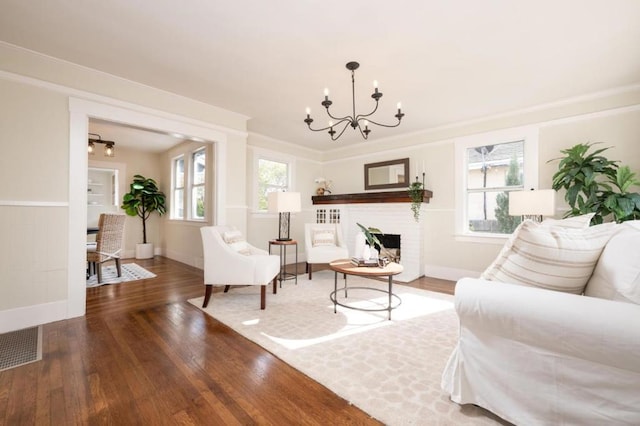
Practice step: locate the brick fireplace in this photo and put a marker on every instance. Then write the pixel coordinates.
(388, 211)
(390, 218)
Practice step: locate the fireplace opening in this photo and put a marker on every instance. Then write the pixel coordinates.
(390, 246)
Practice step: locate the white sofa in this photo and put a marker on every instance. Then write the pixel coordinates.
(536, 356)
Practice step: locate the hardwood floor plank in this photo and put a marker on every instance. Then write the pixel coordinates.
(144, 355)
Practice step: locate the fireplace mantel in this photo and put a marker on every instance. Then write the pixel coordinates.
(370, 197)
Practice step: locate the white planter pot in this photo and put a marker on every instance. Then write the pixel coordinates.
(144, 251)
(361, 242)
(366, 252)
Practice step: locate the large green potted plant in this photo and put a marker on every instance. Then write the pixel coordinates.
(595, 184)
(143, 199)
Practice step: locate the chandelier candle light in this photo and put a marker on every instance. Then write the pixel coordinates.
(355, 121)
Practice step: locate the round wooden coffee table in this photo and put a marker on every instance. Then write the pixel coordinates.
(344, 266)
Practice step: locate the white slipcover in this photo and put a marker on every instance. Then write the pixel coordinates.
(224, 266)
(540, 357)
(324, 253)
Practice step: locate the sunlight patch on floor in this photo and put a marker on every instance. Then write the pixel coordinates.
(413, 306)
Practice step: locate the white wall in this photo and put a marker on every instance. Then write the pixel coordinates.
(44, 167)
(613, 118)
(262, 227)
(42, 204)
(149, 165)
(33, 201)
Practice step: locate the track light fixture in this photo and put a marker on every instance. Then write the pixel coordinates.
(109, 146)
(355, 121)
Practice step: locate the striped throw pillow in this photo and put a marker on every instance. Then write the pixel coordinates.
(550, 257)
(577, 222)
(236, 241)
(323, 237)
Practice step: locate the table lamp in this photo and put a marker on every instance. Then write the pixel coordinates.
(283, 203)
(533, 204)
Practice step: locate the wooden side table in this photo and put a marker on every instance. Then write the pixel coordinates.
(284, 275)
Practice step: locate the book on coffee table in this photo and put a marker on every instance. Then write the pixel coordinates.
(357, 261)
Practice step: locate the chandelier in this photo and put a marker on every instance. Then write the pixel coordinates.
(355, 121)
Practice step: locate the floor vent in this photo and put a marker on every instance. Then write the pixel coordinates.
(20, 347)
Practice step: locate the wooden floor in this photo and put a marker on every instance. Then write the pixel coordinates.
(143, 355)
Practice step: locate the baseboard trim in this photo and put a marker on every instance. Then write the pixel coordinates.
(445, 273)
(29, 316)
(186, 259)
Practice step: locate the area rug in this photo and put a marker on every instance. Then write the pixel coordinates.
(130, 272)
(391, 369)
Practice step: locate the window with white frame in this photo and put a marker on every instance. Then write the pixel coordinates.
(198, 181)
(177, 184)
(272, 175)
(188, 185)
(488, 168)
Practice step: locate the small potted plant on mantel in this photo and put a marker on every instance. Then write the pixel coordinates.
(143, 199)
(416, 193)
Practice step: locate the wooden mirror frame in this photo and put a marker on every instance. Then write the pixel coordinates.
(367, 168)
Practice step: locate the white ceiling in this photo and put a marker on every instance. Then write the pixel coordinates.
(134, 137)
(447, 61)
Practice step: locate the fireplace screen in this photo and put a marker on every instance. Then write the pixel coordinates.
(390, 246)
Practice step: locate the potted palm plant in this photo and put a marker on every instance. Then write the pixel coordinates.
(143, 199)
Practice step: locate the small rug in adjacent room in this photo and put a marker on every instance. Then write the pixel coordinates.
(390, 369)
(130, 272)
(20, 347)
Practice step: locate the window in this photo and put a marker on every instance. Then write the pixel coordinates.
(198, 184)
(177, 203)
(272, 176)
(489, 166)
(188, 184)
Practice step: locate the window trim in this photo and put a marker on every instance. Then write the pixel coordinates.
(187, 152)
(528, 134)
(193, 185)
(174, 187)
(263, 154)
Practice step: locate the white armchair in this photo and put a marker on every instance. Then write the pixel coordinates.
(230, 260)
(323, 244)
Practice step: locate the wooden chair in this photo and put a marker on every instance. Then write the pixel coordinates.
(230, 260)
(108, 245)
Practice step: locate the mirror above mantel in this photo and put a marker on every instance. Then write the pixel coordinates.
(387, 174)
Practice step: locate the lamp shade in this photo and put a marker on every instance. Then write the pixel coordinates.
(283, 202)
(541, 202)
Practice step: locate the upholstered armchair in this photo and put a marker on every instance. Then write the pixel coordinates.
(230, 260)
(323, 243)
